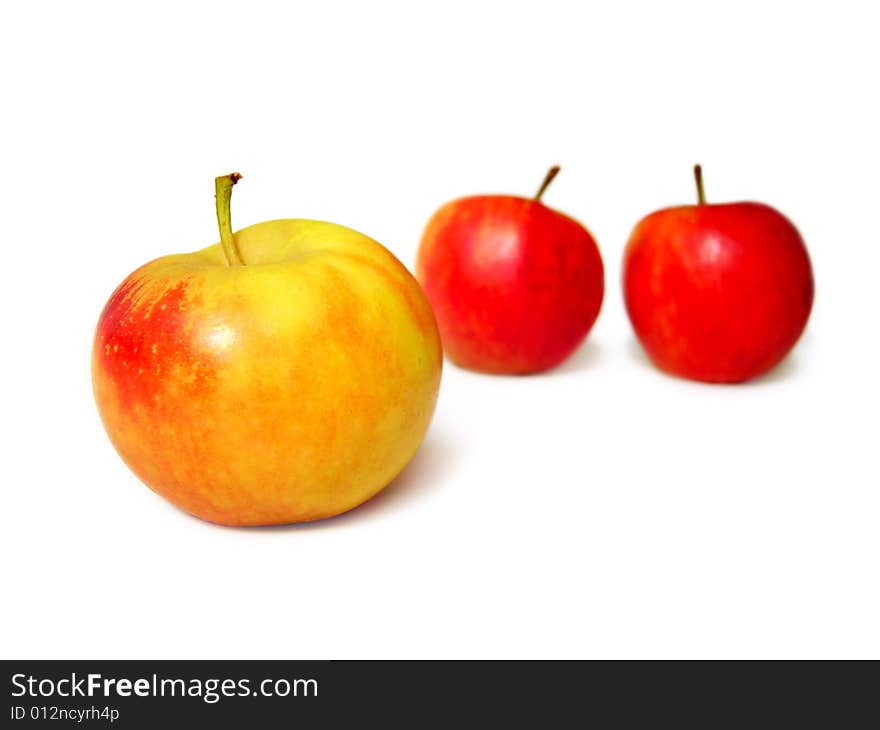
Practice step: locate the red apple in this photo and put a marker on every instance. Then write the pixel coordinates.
(719, 293)
(515, 285)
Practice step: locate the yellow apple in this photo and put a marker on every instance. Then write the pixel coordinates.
(287, 373)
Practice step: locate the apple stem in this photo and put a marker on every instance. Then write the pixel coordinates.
(223, 196)
(548, 178)
(698, 176)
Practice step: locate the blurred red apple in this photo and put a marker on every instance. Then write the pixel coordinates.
(719, 293)
(515, 285)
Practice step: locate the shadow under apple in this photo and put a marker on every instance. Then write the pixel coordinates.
(587, 357)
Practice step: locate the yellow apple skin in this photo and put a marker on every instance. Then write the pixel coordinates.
(289, 389)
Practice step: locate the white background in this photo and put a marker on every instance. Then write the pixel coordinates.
(601, 510)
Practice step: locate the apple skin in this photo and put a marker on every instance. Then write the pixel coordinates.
(290, 389)
(515, 285)
(717, 293)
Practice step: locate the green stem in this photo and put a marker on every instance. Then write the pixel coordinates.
(223, 196)
(698, 176)
(548, 178)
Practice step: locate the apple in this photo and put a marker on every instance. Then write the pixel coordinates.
(285, 374)
(717, 292)
(515, 285)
